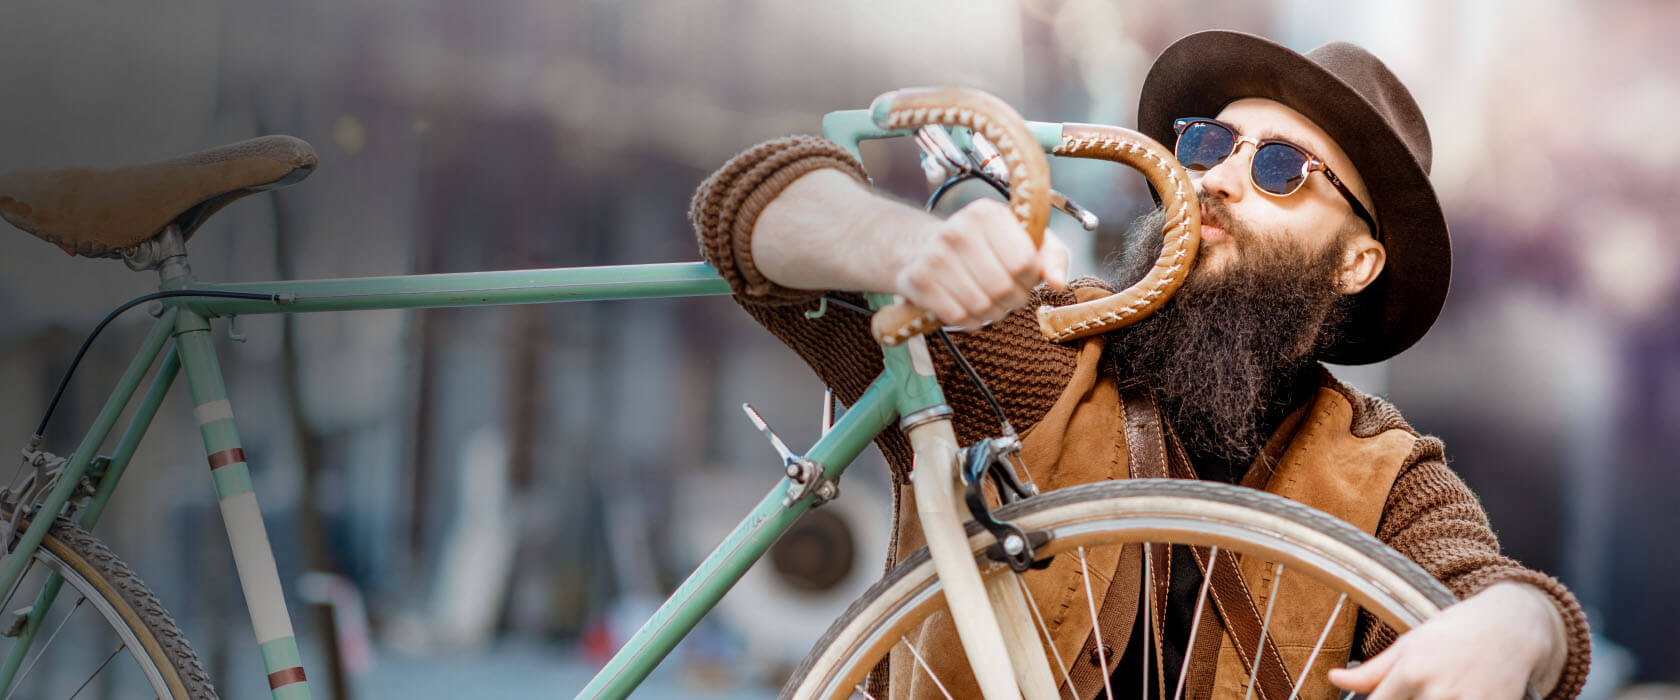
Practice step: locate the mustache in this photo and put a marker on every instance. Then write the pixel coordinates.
(1216, 212)
(1141, 244)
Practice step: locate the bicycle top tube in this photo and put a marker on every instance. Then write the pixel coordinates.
(490, 288)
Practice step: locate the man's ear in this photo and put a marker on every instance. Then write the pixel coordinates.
(1362, 261)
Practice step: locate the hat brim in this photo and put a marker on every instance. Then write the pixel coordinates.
(1201, 73)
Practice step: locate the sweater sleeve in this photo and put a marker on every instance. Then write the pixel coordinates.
(1023, 370)
(1434, 519)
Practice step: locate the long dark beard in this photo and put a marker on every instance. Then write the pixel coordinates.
(1228, 354)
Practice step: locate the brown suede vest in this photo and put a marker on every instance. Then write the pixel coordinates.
(1081, 440)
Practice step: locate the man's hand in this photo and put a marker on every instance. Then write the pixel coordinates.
(1492, 645)
(826, 231)
(978, 265)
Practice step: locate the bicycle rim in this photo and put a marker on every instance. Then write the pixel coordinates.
(105, 635)
(1111, 514)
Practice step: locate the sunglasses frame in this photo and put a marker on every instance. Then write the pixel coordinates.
(1310, 164)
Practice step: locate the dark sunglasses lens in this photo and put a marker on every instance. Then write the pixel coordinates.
(1202, 145)
(1279, 169)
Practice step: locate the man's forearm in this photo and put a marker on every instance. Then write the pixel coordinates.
(1433, 519)
(809, 237)
(826, 231)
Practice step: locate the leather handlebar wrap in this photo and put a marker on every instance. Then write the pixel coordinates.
(1029, 172)
(1182, 233)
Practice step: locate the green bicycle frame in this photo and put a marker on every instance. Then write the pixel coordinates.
(186, 321)
(898, 391)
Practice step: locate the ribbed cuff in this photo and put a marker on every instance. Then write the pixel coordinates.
(727, 206)
(1578, 637)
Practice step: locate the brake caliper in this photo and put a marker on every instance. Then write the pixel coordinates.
(995, 458)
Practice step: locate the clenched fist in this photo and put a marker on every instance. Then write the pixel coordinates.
(978, 265)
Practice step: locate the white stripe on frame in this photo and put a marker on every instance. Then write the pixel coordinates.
(213, 411)
(254, 560)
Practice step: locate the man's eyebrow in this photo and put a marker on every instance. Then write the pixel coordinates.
(1311, 147)
(1264, 133)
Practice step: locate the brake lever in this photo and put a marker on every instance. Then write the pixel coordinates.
(1084, 216)
(990, 159)
(941, 148)
(991, 163)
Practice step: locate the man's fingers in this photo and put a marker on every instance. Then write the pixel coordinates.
(921, 292)
(1397, 686)
(1053, 261)
(988, 267)
(1367, 676)
(1013, 249)
(956, 286)
(980, 266)
(1028, 267)
(989, 256)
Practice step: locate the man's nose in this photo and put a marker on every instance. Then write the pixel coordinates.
(1225, 180)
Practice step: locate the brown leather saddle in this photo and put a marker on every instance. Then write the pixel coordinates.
(100, 212)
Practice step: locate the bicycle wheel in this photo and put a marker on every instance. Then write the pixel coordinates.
(1085, 519)
(105, 635)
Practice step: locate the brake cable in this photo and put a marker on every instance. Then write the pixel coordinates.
(41, 430)
(992, 457)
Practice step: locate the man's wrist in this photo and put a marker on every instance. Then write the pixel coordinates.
(905, 230)
(825, 230)
(1549, 631)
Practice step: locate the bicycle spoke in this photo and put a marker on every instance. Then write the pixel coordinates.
(1033, 605)
(23, 575)
(1196, 622)
(1148, 616)
(1260, 647)
(861, 691)
(105, 582)
(107, 662)
(1318, 645)
(1149, 519)
(18, 682)
(1022, 464)
(22, 464)
(923, 664)
(1096, 631)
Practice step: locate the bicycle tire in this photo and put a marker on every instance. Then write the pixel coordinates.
(133, 613)
(1385, 582)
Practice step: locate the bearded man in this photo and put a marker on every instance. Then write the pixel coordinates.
(1322, 240)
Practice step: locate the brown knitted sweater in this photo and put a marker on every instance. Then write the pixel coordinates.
(1430, 516)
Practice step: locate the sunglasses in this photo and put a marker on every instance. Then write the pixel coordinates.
(1279, 168)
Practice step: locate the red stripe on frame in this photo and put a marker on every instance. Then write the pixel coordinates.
(285, 676)
(226, 457)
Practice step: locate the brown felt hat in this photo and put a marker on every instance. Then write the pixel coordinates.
(1354, 98)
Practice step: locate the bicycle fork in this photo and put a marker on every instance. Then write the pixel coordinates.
(991, 617)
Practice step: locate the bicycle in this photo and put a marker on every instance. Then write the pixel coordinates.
(978, 554)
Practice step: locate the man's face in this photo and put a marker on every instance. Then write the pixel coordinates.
(1267, 294)
(1311, 219)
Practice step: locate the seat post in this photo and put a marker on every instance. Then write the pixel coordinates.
(165, 252)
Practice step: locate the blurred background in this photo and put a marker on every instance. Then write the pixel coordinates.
(499, 496)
